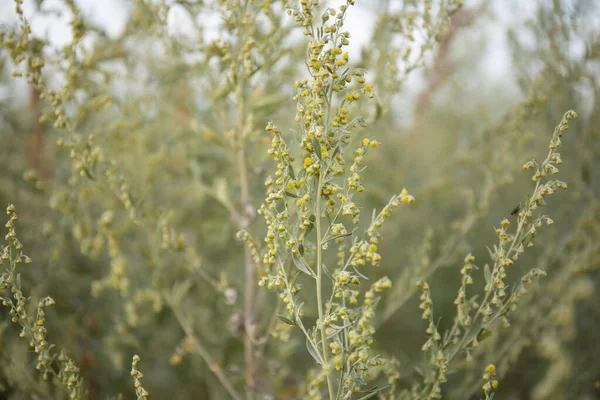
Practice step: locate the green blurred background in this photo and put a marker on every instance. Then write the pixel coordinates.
(150, 233)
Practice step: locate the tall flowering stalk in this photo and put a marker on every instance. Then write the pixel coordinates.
(475, 319)
(310, 207)
(57, 368)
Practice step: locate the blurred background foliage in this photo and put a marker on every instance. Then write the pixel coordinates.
(130, 213)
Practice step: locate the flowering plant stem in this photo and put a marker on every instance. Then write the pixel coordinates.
(319, 283)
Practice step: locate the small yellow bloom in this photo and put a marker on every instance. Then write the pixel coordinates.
(175, 359)
(491, 369)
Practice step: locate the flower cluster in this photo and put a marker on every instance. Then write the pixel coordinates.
(474, 318)
(34, 328)
(491, 384)
(140, 392)
(302, 195)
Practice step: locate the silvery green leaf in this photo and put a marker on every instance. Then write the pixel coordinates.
(316, 148)
(313, 352)
(487, 273)
(359, 274)
(286, 320)
(483, 334)
(326, 270)
(303, 265)
(372, 392)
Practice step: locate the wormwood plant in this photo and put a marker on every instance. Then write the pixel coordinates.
(293, 207)
(317, 194)
(152, 186)
(56, 367)
(119, 210)
(475, 318)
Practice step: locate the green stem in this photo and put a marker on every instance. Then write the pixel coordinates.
(319, 286)
(516, 239)
(199, 348)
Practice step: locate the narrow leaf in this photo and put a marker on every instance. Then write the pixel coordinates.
(313, 352)
(483, 334)
(487, 273)
(326, 270)
(372, 392)
(316, 148)
(303, 265)
(286, 320)
(359, 274)
(491, 252)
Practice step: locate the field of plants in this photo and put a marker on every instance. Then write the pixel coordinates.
(301, 199)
